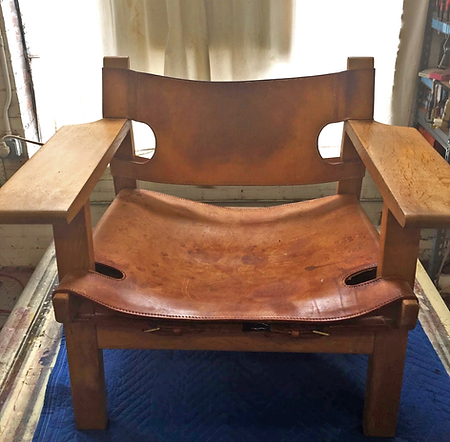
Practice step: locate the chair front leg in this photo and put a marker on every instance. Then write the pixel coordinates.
(74, 251)
(87, 377)
(399, 248)
(384, 383)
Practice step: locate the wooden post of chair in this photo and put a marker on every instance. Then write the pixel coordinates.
(352, 186)
(74, 250)
(399, 249)
(110, 110)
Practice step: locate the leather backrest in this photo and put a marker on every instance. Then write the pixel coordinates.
(237, 133)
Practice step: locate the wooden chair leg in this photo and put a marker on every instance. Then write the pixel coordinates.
(384, 383)
(86, 377)
(74, 250)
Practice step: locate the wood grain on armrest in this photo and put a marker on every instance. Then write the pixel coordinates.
(412, 177)
(56, 182)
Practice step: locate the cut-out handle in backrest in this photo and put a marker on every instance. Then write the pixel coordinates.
(238, 133)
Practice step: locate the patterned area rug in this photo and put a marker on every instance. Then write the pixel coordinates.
(219, 396)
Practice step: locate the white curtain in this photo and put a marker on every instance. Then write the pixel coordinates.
(65, 44)
(253, 39)
(408, 59)
(214, 40)
(200, 39)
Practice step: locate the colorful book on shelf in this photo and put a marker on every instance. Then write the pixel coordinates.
(440, 74)
(426, 73)
(436, 74)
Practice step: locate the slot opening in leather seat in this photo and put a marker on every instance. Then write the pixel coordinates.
(362, 276)
(107, 270)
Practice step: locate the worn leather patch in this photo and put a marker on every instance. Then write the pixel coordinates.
(187, 260)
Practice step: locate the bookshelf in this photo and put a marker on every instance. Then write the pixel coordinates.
(437, 34)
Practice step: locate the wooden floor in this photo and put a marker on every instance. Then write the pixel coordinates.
(30, 341)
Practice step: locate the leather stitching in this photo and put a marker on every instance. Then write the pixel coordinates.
(385, 278)
(213, 318)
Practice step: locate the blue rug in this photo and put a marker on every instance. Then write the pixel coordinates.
(170, 396)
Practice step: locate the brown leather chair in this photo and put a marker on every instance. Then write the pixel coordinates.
(162, 272)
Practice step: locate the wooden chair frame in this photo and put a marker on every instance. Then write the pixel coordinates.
(407, 208)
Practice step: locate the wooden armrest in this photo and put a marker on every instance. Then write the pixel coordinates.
(55, 183)
(412, 177)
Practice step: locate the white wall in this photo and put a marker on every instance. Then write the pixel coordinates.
(19, 245)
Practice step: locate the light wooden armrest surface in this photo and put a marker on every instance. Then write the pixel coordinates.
(55, 183)
(412, 177)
